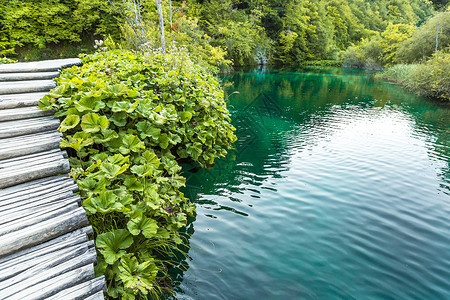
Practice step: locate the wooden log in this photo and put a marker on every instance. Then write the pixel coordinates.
(66, 189)
(39, 66)
(53, 266)
(23, 113)
(59, 189)
(96, 296)
(35, 200)
(31, 159)
(28, 126)
(34, 172)
(26, 263)
(31, 210)
(20, 100)
(82, 290)
(33, 187)
(28, 76)
(66, 240)
(91, 244)
(31, 86)
(35, 137)
(54, 285)
(23, 222)
(34, 143)
(36, 211)
(42, 232)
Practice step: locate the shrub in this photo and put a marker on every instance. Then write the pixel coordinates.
(422, 44)
(129, 120)
(430, 79)
(5, 60)
(366, 55)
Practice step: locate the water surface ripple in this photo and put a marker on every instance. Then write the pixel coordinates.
(339, 188)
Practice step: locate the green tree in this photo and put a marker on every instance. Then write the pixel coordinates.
(422, 44)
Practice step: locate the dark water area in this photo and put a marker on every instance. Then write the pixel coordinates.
(339, 188)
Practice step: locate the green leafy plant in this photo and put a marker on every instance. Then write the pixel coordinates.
(129, 120)
(430, 79)
(5, 60)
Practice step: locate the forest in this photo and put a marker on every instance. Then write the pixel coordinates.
(233, 32)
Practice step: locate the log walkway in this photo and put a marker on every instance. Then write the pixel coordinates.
(45, 252)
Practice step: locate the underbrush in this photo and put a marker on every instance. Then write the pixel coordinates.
(430, 79)
(5, 60)
(129, 120)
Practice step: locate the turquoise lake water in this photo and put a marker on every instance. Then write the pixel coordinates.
(339, 188)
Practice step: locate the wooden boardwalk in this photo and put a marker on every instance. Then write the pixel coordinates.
(45, 252)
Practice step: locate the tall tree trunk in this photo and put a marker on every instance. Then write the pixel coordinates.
(161, 25)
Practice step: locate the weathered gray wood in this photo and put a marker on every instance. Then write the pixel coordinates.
(29, 144)
(82, 290)
(25, 221)
(64, 190)
(37, 194)
(54, 285)
(29, 126)
(65, 262)
(34, 172)
(47, 259)
(39, 66)
(34, 186)
(44, 203)
(96, 296)
(42, 232)
(28, 76)
(31, 159)
(20, 100)
(91, 244)
(33, 210)
(23, 200)
(52, 266)
(23, 113)
(17, 87)
(42, 250)
(30, 137)
(66, 240)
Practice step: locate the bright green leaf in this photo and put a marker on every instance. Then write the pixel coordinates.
(147, 226)
(137, 276)
(69, 122)
(92, 123)
(113, 244)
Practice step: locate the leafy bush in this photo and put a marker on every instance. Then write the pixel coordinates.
(366, 55)
(5, 60)
(129, 121)
(379, 50)
(430, 79)
(422, 44)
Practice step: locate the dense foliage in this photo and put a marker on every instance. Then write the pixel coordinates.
(296, 31)
(422, 44)
(130, 120)
(242, 31)
(430, 79)
(5, 60)
(401, 43)
(53, 23)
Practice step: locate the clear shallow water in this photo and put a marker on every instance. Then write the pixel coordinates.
(339, 188)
